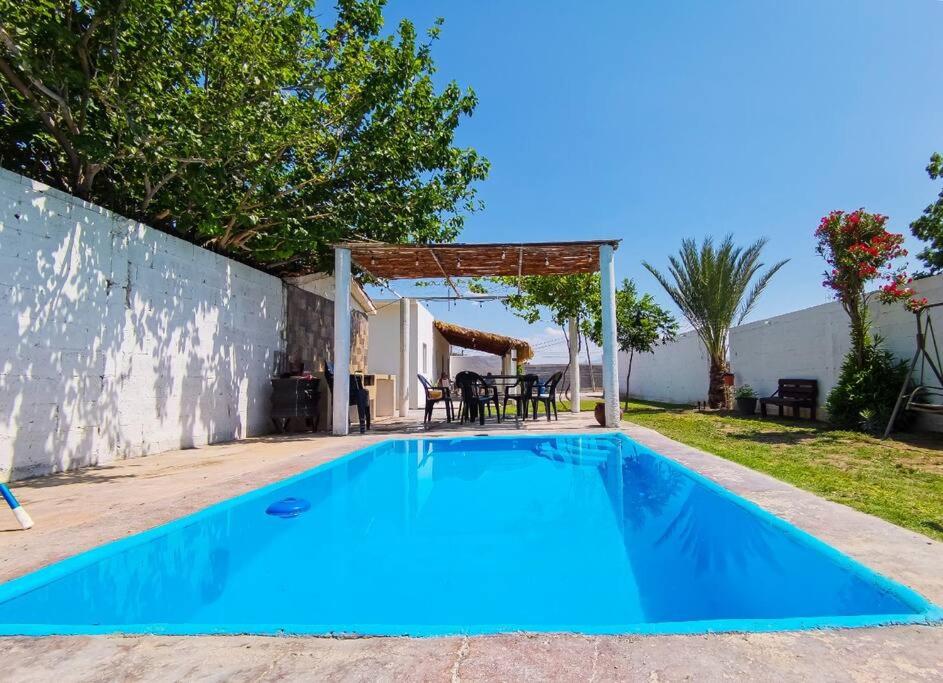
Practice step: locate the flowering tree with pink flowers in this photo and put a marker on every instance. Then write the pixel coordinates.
(862, 254)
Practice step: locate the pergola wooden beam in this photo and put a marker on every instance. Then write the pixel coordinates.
(444, 274)
(418, 261)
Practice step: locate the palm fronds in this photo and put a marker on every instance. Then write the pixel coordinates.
(712, 286)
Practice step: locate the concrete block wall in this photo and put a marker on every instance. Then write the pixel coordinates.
(309, 335)
(309, 339)
(117, 340)
(674, 373)
(544, 370)
(809, 344)
(812, 343)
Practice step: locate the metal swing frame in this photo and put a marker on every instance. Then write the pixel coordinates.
(905, 398)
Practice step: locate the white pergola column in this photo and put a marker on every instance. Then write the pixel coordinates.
(610, 359)
(574, 366)
(403, 379)
(341, 394)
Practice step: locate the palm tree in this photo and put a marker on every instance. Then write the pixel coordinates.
(712, 288)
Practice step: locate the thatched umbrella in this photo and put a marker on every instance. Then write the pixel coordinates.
(489, 342)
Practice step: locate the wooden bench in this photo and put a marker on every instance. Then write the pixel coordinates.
(796, 393)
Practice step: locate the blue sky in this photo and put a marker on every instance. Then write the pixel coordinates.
(656, 120)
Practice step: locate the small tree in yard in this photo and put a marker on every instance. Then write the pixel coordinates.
(929, 227)
(563, 296)
(715, 288)
(641, 325)
(862, 253)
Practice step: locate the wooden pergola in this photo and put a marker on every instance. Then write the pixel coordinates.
(449, 261)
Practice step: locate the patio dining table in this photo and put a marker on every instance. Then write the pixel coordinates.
(504, 382)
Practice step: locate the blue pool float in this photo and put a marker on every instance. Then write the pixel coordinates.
(288, 507)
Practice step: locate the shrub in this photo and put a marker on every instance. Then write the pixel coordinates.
(863, 398)
(745, 391)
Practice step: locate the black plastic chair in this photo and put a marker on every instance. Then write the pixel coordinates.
(521, 392)
(491, 384)
(433, 396)
(358, 395)
(476, 394)
(547, 395)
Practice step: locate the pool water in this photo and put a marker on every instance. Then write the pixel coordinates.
(591, 534)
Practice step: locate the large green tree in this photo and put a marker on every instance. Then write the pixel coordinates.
(929, 227)
(716, 287)
(246, 125)
(641, 325)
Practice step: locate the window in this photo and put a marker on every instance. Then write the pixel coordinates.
(425, 354)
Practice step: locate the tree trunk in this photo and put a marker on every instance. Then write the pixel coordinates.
(589, 361)
(628, 375)
(566, 371)
(859, 333)
(716, 390)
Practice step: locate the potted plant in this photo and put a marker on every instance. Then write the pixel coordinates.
(600, 412)
(746, 399)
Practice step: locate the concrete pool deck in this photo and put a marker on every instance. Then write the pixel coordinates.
(134, 495)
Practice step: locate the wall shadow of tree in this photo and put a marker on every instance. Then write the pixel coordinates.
(119, 340)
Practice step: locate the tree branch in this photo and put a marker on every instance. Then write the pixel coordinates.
(45, 117)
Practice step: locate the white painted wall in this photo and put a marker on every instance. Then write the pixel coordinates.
(481, 363)
(421, 351)
(674, 373)
(117, 340)
(812, 343)
(442, 351)
(383, 352)
(806, 344)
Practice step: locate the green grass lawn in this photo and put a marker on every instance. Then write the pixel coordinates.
(900, 479)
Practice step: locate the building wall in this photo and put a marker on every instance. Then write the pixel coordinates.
(482, 364)
(812, 343)
(117, 340)
(322, 284)
(544, 370)
(383, 355)
(806, 344)
(309, 339)
(442, 351)
(421, 351)
(674, 373)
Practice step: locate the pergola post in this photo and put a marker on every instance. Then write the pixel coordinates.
(341, 393)
(574, 366)
(403, 379)
(610, 359)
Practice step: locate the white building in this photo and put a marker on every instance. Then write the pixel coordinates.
(428, 349)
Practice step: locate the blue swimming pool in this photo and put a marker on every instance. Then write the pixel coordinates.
(591, 534)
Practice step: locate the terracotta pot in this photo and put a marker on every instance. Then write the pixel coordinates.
(728, 379)
(600, 413)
